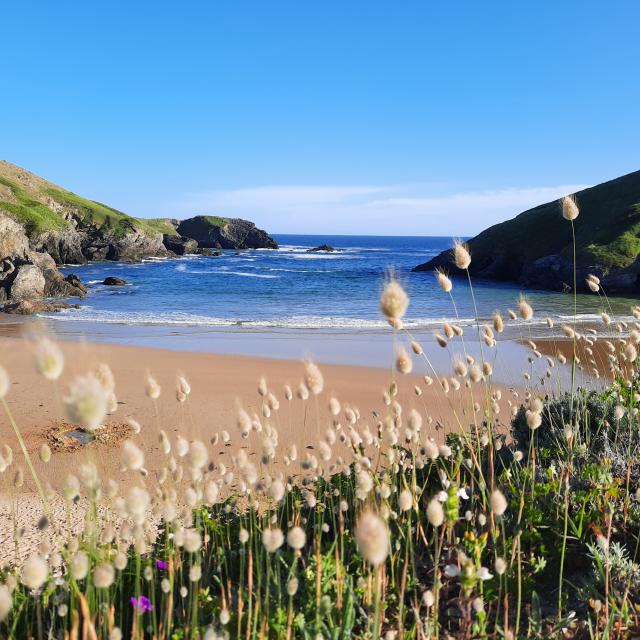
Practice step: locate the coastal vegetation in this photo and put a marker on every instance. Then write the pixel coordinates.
(535, 248)
(523, 521)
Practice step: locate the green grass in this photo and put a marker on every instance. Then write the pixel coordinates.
(216, 221)
(35, 216)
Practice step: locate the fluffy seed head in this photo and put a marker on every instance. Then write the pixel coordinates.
(48, 358)
(34, 572)
(86, 402)
(132, 456)
(152, 388)
(570, 209)
(444, 281)
(498, 502)
(394, 300)
(405, 500)
(404, 364)
(79, 565)
(6, 602)
(461, 255)
(525, 309)
(272, 539)
(372, 537)
(435, 512)
(313, 378)
(296, 538)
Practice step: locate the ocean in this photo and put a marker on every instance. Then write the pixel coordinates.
(289, 302)
(292, 288)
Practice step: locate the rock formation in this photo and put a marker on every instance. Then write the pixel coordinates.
(535, 248)
(225, 233)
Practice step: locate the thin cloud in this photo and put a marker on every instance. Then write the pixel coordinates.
(362, 209)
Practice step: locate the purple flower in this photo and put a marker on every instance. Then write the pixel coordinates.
(141, 604)
(161, 564)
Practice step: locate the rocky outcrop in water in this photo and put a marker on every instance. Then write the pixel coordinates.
(535, 248)
(225, 233)
(180, 245)
(323, 248)
(113, 281)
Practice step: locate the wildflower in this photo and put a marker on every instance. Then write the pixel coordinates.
(444, 281)
(525, 309)
(198, 454)
(272, 539)
(403, 361)
(6, 601)
(141, 604)
(132, 457)
(45, 453)
(162, 565)
(435, 513)
(296, 538)
(534, 419)
(49, 359)
(483, 574)
(34, 572)
(192, 541)
(195, 573)
(292, 587)
(500, 566)
(461, 255)
(225, 616)
(393, 301)
(405, 500)
(498, 502)
(428, 599)
(86, 403)
(372, 538)
(152, 388)
(103, 575)
(313, 378)
(79, 565)
(570, 209)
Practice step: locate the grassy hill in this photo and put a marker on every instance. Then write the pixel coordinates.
(42, 206)
(607, 234)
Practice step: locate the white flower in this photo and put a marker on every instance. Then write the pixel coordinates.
(296, 538)
(498, 502)
(86, 403)
(272, 539)
(34, 572)
(103, 575)
(483, 574)
(132, 456)
(435, 512)
(372, 537)
(6, 602)
(451, 571)
(405, 500)
(49, 359)
(79, 565)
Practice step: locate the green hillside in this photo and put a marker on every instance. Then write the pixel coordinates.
(42, 206)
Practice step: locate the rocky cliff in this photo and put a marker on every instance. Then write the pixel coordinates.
(26, 274)
(225, 233)
(535, 248)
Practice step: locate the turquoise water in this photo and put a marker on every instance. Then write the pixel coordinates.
(291, 288)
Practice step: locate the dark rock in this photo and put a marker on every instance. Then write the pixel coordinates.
(323, 247)
(180, 245)
(221, 233)
(535, 249)
(29, 307)
(204, 251)
(113, 281)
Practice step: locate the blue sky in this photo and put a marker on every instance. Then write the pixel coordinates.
(323, 117)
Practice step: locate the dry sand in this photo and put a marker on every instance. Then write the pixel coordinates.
(219, 383)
